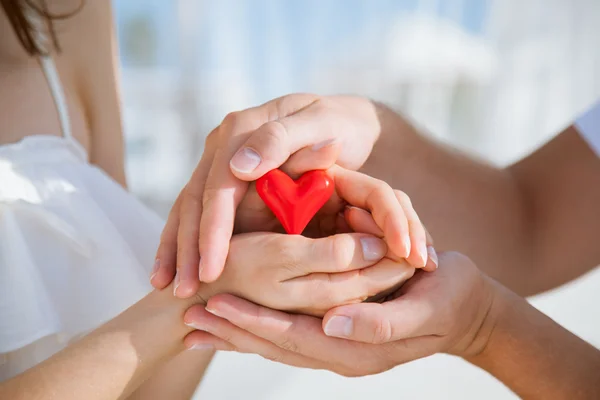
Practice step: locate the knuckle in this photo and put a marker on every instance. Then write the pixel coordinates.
(275, 357)
(190, 198)
(286, 249)
(211, 138)
(403, 198)
(341, 251)
(275, 134)
(209, 193)
(232, 119)
(288, 345)
(379, 189)
(382, 332)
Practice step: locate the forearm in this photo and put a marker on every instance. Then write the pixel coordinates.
(467, 205)
(528, 224)
(534, 356)
(111, 362)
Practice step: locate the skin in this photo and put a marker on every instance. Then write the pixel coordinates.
(195, 241)
(115, 360)
(526, 226)
(87, 68)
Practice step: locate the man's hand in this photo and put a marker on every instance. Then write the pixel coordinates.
(304, 131)
(433, 312)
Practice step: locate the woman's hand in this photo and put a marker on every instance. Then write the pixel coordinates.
(388, 214)
(309, 276)
(440, 311)
(307, 131)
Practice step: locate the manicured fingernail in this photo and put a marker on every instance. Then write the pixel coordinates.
(176, 285)
(423, 253)
(212, 311)
(320, 145)
(373, 249)
(433, 255)
(245, 160)
(339, 326)
(194, 326)
(202, 346)
(406, 243)
(155, 268)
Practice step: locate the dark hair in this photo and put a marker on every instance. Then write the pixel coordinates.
(20, 13)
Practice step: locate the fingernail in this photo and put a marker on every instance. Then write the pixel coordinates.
(200, 268)
(406, 243)
(339, 326)
(212, 311)
(320, 145)
(202, 346)
(176, 285)
(433, 255)
(155, 268)
(245, 160)
(423, 253)
(373, 249)
(194, 326)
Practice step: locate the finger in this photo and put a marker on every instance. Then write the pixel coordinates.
(321, 291)
(166, 255)
(362, 221)
(332, 254)
(402, 318)
(378, 197)
(307, 125)
(418, 238)
(432, 260)
(187, 281)
(200, 340)
(311, 158)
(222, 193)
(223, 335)
(298, 334)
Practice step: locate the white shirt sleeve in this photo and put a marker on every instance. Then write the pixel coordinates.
(588, 126)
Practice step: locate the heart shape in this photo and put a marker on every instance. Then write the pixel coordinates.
(294, 203)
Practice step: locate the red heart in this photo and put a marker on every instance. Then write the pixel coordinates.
(294, 203)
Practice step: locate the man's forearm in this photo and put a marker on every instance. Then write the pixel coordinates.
(534, 356)
(529, 224)
(467, 205)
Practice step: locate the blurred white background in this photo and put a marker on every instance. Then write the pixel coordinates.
(494, 77)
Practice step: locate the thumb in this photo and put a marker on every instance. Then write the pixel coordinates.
(312, 158)
(273, 143)
(379, 323)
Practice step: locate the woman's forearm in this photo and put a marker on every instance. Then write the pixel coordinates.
(111, 362)
(534, 356)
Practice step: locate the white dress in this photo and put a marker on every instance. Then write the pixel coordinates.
(75, 248)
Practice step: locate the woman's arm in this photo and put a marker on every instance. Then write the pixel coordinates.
(114, 360)
(534, 356)
(91, 52)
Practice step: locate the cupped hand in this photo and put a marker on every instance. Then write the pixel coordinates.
(384, 212)
(306, 131)
(440, 311)
(309, 276)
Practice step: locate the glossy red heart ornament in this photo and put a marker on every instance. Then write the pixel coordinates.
(294, 203)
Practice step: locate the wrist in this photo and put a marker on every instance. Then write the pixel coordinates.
(484, 345)
(397, 146)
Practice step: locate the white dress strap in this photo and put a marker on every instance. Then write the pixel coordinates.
(58, 95)
(50, 71)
